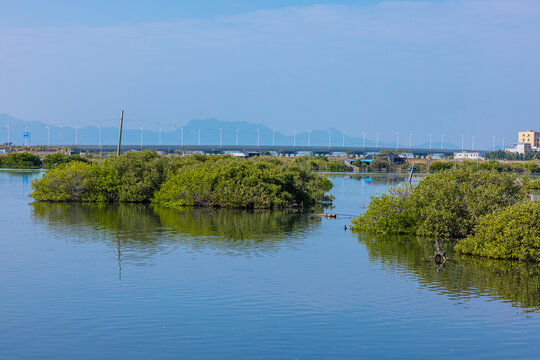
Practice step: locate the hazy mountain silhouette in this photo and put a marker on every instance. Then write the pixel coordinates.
(232, 132)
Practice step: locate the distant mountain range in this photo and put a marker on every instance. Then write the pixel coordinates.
(208, 130)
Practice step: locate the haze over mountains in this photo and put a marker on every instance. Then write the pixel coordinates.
(232, 132)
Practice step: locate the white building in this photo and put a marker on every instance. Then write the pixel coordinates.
(467, 156)
(521, 148)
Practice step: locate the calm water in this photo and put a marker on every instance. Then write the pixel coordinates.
(140, 282)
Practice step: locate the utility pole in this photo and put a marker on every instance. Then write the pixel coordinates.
(8, 140)
(397, 140)
(493, 136)
(309, 138)
(99, 142)
(199, 129)
(48, 137)
(430, 142)
(363, 139)
(329, 139)
(442, 141)
(410, 141)
(159, 136)
(120, 133)
(473, 142)
(236, 136)
(377, 141)
(182, 137)
(76, 134)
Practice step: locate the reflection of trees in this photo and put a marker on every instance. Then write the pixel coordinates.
(141, 230)
(462, 278)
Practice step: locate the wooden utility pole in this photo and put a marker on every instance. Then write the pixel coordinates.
(120, 133)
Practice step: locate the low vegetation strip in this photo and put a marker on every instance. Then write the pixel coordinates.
(489, 212)
(209, 181)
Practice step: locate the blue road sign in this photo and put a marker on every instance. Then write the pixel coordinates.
(26, 134)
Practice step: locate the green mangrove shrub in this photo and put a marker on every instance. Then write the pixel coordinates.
(23, 160)
(322, 163)
(512, 233)
(446, 204)
(77, 182)
(236, 183)
(58, 158)
(214, 181)
(140, 174)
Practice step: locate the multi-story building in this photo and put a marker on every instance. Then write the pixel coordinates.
(529, 137)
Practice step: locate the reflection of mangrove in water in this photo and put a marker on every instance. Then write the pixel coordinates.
(143, 230)
(462, 278)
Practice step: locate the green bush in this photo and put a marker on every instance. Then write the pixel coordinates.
(321, 163)
(77, 182)
(380, 164)
(512, 233)
(236, 183)
(216, 181)
(24, 160)
(57, 159)
(140, 173)
(388, 214)
(534, 184)
(440, 165)
(446, 204)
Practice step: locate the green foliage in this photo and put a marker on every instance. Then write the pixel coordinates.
(522, 167)
(388, 214)
(23, 160)
(440, 165)
(78, 182)
(380, 164)
(446, 204)
(56, 159)
(140, 173)
(503, 155)
(216, 181)
(533, 184)
(512, 233)
(321, 163)
(236, 183)
(451, 202)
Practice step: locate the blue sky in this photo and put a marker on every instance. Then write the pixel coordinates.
(447, 67)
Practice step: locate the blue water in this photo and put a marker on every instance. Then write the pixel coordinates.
(141, 282)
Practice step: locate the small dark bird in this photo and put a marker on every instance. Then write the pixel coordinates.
(345, 227)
